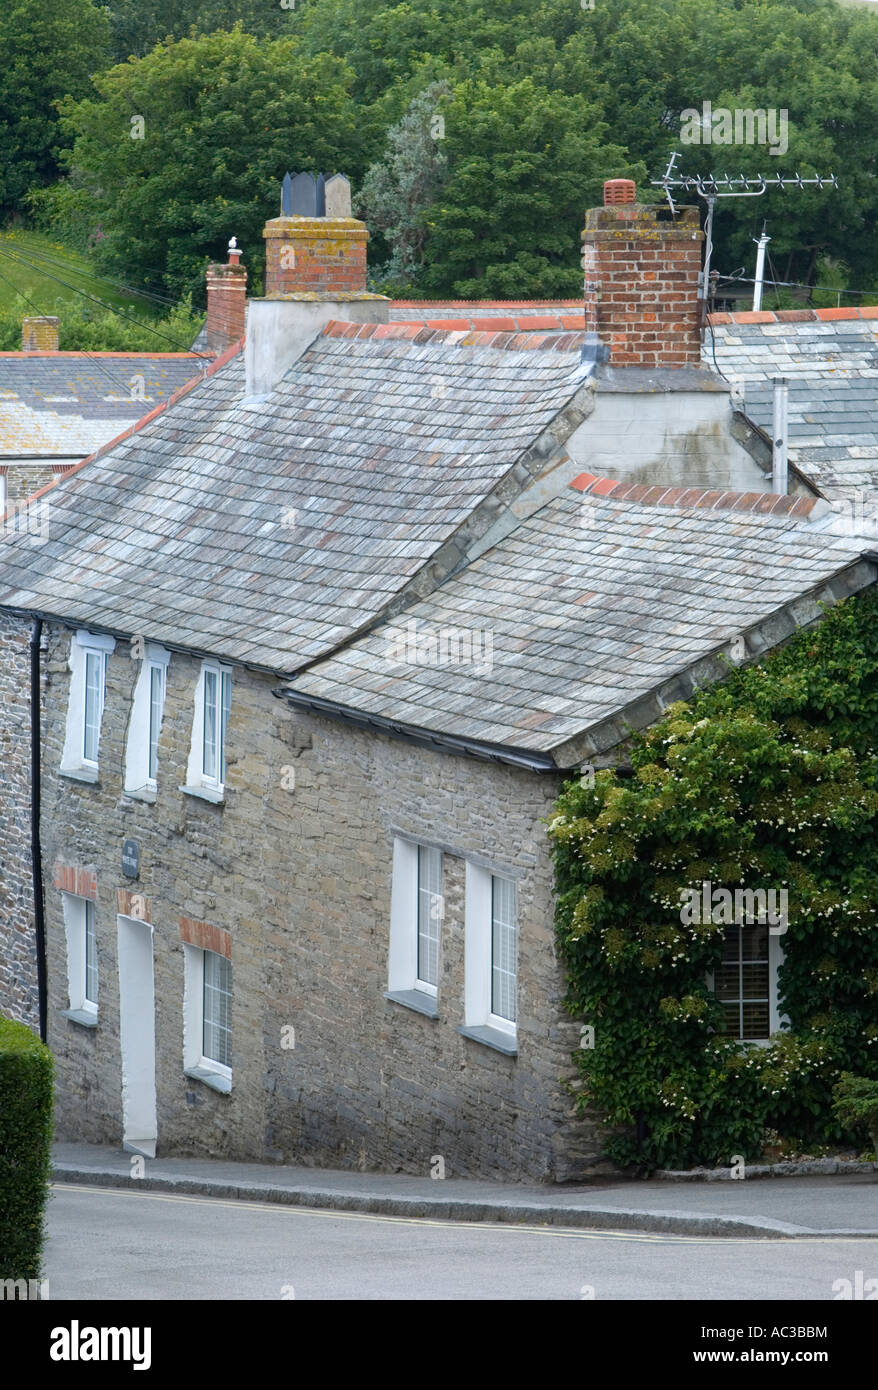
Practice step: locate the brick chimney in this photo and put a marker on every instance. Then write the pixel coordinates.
(315, 271)
(315, 255)
(39, 335)
(226, 301)
(642, 264)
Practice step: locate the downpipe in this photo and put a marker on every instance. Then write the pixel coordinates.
(36, 637)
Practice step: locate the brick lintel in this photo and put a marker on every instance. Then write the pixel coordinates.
(206, 936)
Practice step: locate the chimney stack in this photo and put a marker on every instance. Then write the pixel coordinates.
(226, 301)
(642, 264)
(315, 246)
(39, 335)
(315, 271)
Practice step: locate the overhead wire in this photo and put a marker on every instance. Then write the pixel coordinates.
(59, 264)
(794, 285)
(179, 347)
(91, 357)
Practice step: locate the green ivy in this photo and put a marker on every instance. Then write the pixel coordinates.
(768, 780)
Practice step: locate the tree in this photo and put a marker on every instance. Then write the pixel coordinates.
(524, 162)
(640, 64)
(136, 27)
(48, 48)
(187, 146)
(398, 191)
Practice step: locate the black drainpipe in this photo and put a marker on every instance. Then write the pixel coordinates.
(36, 633)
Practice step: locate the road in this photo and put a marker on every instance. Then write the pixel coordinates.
(107, 1244)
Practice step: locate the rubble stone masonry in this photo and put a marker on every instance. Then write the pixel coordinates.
(296, 869)
(18, 965)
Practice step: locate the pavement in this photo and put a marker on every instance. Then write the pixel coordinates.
(839, 1203)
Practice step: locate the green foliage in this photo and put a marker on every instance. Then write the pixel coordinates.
(48, 50)
(765, 781)
(136, 27)
(548, 100)
(399, 190)
(639, 64)
(224, 116)
(855, 1102)
(65, 211)
(85, 327)
(524, 161)
(26, 1099)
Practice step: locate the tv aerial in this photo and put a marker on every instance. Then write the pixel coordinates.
(710, 187)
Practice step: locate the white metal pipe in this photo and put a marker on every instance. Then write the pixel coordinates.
(760, 269)
(779, 456)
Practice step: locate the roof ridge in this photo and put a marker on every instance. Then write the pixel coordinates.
(514, 323)
(700, 498)
(866, 311)
(419, 334)
(488, 303)
(88, 353)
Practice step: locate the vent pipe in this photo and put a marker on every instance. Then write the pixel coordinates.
(779, 461)
(761, 246)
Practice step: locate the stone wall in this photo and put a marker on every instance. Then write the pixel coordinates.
(296, 866)
(25, 478)
(18, 967)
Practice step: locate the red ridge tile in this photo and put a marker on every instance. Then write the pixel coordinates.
(584, 481)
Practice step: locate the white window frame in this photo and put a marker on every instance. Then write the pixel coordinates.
(195, 1064)
(777, 1022)
(138, 782)
(422, 901)
(478, 956)
(83, 645)
(404, 984)
(198, 782)
(77, 912)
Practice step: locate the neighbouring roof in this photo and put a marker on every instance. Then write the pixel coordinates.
(66, 404)
(830, 358)
(269, 532)
(598, 599)
(503, 315)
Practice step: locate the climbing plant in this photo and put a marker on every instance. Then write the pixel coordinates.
(769, 781)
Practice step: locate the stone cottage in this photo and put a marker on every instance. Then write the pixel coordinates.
(292, 684)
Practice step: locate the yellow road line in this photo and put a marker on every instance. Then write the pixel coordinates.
(566, 1233)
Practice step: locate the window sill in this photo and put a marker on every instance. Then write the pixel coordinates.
(414, 999)
(213, 794)
(147, 794)
(83, 773)
(144, 1147)
(492, 1037)
(82, 1016)
(216, 1080)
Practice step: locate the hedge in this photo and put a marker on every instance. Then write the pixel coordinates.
(26, 1096)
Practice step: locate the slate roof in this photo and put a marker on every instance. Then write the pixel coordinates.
(585, 608)
(70, 403)
(830, 357)
(503, 315)
(267, 533)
